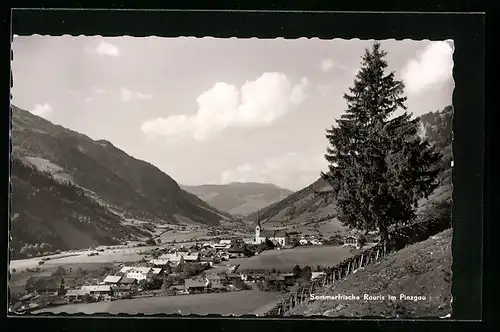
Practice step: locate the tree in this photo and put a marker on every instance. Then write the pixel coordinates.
(269, 244)
(297, 271)
(167, 282)
(306, 273)
(379, 167)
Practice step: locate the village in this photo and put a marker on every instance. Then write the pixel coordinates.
(177, 270)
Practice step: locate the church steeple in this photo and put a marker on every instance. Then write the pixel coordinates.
(257, 227)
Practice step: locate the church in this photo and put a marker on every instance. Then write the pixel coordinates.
(276, 236)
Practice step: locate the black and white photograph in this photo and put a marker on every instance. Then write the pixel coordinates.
(231, 176)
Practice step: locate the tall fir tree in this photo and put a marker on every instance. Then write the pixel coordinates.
(379, 167)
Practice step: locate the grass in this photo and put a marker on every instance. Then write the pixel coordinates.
(285, 260)
(421, 269)
(237, 303)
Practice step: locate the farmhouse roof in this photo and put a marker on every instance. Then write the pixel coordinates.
(113, 279)
(215, 277)
(178, 287)
(141, 269)
(191, 257)
(156, 270)
(125, 269)
(127, 281)
(288, 275)
(97, 288)
(159, 261)
(192, 283)
(77, 292)
(273, 233)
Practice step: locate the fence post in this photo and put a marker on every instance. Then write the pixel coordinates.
(361, 261)
(378, 252)
(348, 268)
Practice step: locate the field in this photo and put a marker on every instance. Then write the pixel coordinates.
(285, 260)
(421, 269)
(238, 303)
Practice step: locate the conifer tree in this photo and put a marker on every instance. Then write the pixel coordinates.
(379, 167)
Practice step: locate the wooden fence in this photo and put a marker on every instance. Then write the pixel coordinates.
(332, 275)
(400, 238)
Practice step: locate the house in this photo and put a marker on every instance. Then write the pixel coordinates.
(276, 277)
(120, 290)
(140, 273)
(76, 294)
(112, 280)
(207, 260)
(127, 282)
(225, 242)
(195, 285)
(181, 257)
(233, 276)
(98, 290)
(157, 271)
(317, 275)
(179, 289)
(351, 241)
(235, 252)
(219, 247)
(192, 258)
(279, 237)
(45, 285)
(160, 262)
(206, 245)
(316, 242)
(289, 278)
(217, 280)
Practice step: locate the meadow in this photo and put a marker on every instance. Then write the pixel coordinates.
(284, 260)
(237, 303)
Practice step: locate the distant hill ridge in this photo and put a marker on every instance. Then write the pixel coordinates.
(239, 198)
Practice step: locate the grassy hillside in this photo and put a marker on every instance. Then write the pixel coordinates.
(49, 215)
(126, 187)
(299, 206)
(422, 269)
(239, 198)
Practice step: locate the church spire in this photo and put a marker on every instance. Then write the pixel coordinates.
(258, 217)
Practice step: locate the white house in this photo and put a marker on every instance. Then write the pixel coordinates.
(178, 257)
(317, 275)
(303, 242)
(225, 242)
(160, 262)
(277, 236)
(140, 273)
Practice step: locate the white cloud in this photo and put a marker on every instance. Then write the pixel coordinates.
(432, 68)
(42, 110)
(329, 64)
(288, 170)
(88, 99)
(107, 49)
(256, 103)
(325, 90)
(128, 95)
(98, 90)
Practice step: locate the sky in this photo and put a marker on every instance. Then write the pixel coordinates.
(215, 111)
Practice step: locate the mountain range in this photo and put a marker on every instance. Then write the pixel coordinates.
(306, 205)
(69, 191)
(239, 199)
